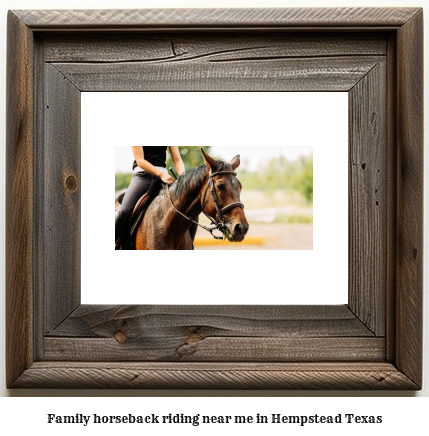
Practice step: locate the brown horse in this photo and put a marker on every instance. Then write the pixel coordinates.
(212, 189)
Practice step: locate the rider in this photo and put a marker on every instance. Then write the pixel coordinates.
(149, 164)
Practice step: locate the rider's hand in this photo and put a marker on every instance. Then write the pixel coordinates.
(166, 178)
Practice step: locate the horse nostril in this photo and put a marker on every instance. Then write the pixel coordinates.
(238, 229)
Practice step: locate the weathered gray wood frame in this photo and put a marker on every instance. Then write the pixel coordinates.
(374, 342)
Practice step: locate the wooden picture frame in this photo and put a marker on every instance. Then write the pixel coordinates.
(373, 342)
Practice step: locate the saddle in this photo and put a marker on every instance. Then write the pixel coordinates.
(126, 240)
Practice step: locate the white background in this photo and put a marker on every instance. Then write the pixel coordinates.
(30, 414)
(248, 276)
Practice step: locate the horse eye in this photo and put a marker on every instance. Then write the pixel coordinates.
(221, 187)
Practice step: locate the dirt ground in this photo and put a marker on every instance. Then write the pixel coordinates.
(263, 237)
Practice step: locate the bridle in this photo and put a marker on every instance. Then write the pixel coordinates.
(219, 222)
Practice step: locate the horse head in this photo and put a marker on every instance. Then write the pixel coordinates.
(224, 202)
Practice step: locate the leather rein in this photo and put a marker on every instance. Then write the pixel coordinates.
(217, 225)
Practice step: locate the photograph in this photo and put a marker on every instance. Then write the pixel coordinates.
(258, 199)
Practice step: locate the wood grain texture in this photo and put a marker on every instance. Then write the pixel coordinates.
(215, 376)
(331, 74)
(213, 333)
(19, 200)
(39, 152)
(410, 199)
(61, 208)
(174, 348)
(224, 47)
(98, 321)
(391, 192)
(208, 18)
(368, 202)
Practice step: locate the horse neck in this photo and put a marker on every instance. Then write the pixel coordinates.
(186, 199)
(190, 200)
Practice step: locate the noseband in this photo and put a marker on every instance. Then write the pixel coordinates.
(219, 223)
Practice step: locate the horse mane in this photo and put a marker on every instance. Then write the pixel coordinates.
(193, 178)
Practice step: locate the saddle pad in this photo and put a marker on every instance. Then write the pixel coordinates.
(138, 207)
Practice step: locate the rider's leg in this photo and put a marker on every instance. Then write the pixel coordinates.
(138, 186)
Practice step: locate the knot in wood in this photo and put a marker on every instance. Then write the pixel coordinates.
(120, 337)
(193, 338)
(71, 183)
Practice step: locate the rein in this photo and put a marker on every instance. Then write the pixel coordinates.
(219, 211)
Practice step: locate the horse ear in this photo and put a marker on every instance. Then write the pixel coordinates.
(210, 162)
(235, 162)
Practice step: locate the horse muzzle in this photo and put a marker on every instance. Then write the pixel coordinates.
(237, 231)
(240, 231)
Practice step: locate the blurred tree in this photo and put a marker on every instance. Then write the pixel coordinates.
(122, 180)
(191, 156)
(304, 178)
(282, 174)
